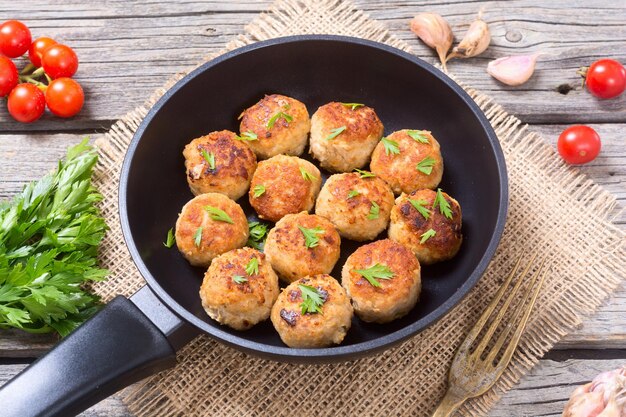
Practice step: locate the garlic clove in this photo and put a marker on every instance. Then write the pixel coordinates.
(475, 41)
(435, 32)
(513, 70)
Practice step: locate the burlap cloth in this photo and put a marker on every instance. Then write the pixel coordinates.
(553, 209)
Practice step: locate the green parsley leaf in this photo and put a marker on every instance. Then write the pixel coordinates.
(306, 175)
(218, 215)
(391, 146)
(238, 279)
(335, 132)
(258, 190)
(444, 206)
(353, 193)
(312, 300)
(374, 273)
(169, 242)
(258, 232)
(311, 239)
(197, 237)
(418, 135)
(365, 174)
(426, 165)
(253, 267)
(247, 136)
(420, 205)
(209, 157)
(352, 106)
(274, 118)
(427, 235)
(374, 211)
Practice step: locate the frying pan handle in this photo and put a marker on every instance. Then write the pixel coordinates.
(122, 344)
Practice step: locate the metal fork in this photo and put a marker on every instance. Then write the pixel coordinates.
(470, 374)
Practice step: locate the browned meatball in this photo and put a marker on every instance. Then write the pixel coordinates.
(219, 163)
(343, 138)
(276, 125)
(358, 207)
(432, 232)
(408, 160)
(312, 328)
(239, 288)
(284, 185)
(293, 255)
(209, 225)
(394, 282)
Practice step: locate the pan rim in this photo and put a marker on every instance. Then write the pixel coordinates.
(335, 353)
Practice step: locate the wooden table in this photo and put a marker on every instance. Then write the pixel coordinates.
(128, 49)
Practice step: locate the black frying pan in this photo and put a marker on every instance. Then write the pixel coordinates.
(131, 339)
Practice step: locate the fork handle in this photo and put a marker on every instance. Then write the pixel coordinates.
(448, 405)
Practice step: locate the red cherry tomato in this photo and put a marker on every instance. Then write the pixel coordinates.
(606, 78)
(8, 76)
(26, 103)
(36, 50)
(14, 38)
(579, 144)
(59, 61)
(64, 97)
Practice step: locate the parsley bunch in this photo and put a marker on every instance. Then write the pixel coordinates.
(49, 236)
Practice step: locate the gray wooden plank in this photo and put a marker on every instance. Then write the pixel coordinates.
(127, 49)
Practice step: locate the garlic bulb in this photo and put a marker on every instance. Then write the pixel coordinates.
(435, 32)
(475, 41)
(513, 70)
(605, 396)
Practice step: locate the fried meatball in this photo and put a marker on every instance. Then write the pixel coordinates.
(209, 225)
(433, 232)
(382, 300)
(239, 288)
(343, 139)
(293, 256)
(277, 124)
(358, 207)
(312, 329)
(219, 163)
(284, 185)
(416, 165)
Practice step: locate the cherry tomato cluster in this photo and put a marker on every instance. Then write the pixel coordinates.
(46, 80)
(605, 79)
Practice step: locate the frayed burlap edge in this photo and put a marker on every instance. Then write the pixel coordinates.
(554, 210)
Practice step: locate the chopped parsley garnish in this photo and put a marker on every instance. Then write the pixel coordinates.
(374, 273)
(418, 135)
(427, 235)
(365, 174)
(312, 300)
(426, 165)
(209, 157)
(352, 106)
(253, 267)
(238, 279)
(258, 232)
(258, 190)
(306, 175)
(169, 241)
(335, 132)
(444, 206)
(391, 146)
(279, 115)
(374, 211)
(420, 205)
(218, 215)
(353, 193)
(247, 136)
(311, 239)
(197, 237)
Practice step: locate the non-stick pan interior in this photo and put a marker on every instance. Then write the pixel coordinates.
(405, 92)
